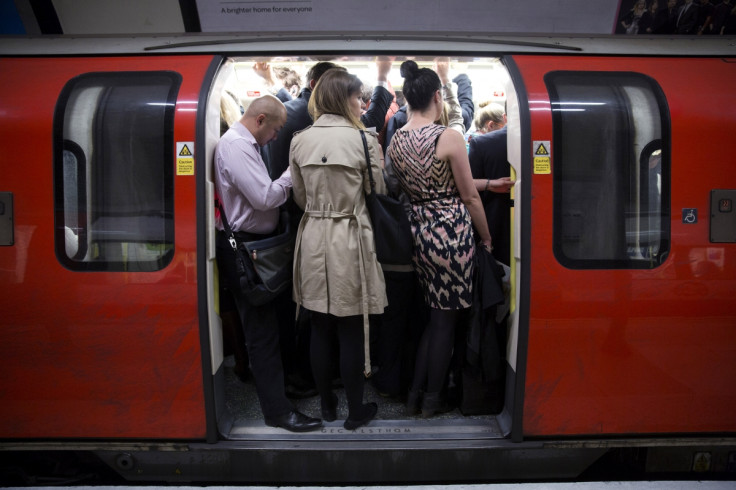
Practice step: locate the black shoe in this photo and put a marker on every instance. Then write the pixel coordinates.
(295, 422)
(434, 403)
(370, 410)
(329, 410)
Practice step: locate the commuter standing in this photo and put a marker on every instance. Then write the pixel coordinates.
(491, 173)
(336, 274)
(251, 203)
(295, 337)
(431, 164)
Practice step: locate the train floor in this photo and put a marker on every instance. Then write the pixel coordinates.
(391, 422)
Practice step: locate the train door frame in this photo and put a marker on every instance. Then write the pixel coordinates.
(219, 421)
(208, 134)
(519, 157)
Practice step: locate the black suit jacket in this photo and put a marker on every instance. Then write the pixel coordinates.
(298, 118)
(688, 21)
(488, 160)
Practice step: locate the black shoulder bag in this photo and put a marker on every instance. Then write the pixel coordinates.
(391, 228)
(264, 266)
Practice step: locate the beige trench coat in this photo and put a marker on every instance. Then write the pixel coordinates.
(335, 266)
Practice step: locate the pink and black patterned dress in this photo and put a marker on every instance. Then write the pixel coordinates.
(443, 233)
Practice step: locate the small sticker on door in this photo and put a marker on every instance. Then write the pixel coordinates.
(542, 158)
(689, 215)
(185, 158)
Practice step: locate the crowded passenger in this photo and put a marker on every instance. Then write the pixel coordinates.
(431, 165)
(630, 21)
(397, 332)
(274, 84)
(687, 18)
(721, 14)
(490, 117)
(295, 335)
(250, 204)
(329, 171)
(289, 78)
(491, 174)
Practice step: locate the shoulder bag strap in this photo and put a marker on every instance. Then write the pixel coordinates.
(228, 230)
(368, 162)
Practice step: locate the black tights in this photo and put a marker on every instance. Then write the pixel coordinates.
(344, 335)
(435, 350)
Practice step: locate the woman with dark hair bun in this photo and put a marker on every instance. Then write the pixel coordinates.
(431, 165)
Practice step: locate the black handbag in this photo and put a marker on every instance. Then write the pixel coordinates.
(263, 266)
(391, 228)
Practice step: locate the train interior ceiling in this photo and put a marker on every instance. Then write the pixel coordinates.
(478, 412)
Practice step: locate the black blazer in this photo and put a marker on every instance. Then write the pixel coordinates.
(487, 155)
(298, 118)
(688, 21)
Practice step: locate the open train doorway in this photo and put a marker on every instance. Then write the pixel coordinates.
(479, 387)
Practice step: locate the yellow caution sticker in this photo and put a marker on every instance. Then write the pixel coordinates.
(542, 158)
(185, 158)
(542, 165)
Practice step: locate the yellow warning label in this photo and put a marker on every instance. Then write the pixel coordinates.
(185, 158)
(541, 150)
(542, 165)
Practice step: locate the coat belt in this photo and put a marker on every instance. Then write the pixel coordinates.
(326, 212)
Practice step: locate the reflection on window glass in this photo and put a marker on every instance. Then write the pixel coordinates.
(611, 170)
(113, 161)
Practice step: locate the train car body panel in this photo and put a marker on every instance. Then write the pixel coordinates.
(118, 354)
(629, 351)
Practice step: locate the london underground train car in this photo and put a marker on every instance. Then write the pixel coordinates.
(619, 344)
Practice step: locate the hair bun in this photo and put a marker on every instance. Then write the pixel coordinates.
(409, 69)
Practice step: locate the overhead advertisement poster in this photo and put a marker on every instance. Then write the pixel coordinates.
(465, 17)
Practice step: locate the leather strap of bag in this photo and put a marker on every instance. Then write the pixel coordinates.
(366, 324)
(229, 231)
(368, 162)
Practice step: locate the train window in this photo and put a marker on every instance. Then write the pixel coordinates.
(611, 170)
(113, 171)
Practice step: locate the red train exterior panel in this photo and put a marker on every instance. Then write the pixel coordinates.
(639, 351)
(93, 354)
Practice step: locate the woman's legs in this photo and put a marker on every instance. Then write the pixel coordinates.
(349, 334)
(435, 350)
(322, 353)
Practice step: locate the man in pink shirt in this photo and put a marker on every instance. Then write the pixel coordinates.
(251, 203)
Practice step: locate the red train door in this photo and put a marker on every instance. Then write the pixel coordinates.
(99, 335)
(630, 311)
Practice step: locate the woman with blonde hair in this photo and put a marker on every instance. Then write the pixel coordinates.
(490, 118)
(336, 274)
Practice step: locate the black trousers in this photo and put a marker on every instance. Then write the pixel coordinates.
(261, 330)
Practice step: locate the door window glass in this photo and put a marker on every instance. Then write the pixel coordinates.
(113, 171)
(611, 170)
